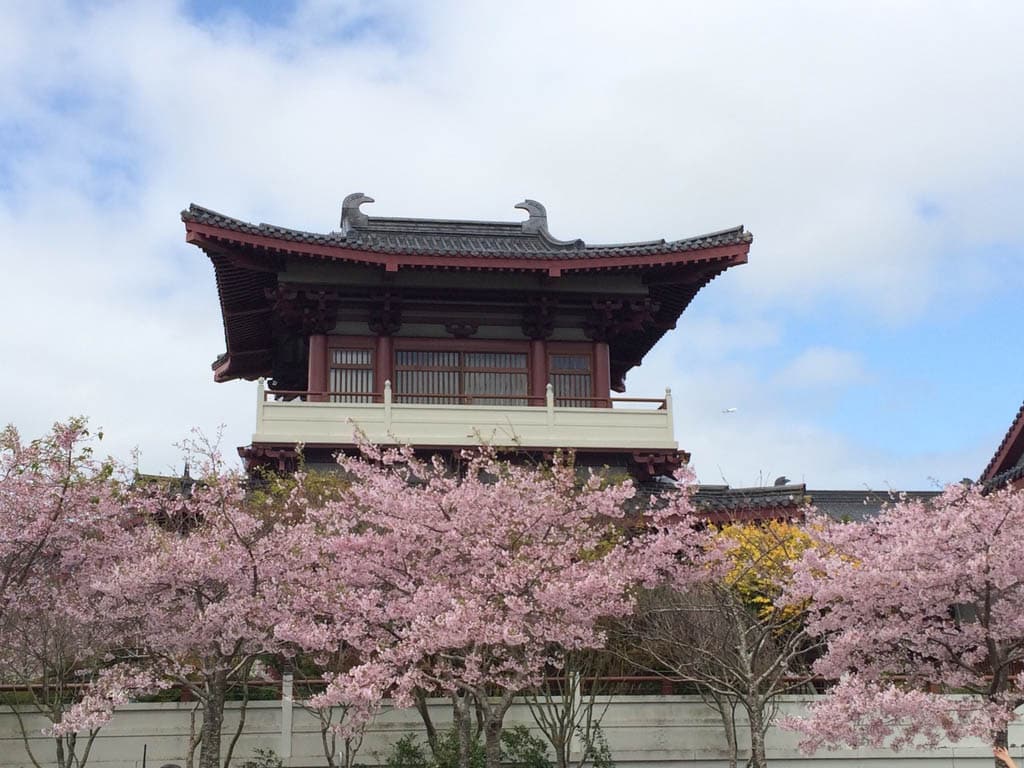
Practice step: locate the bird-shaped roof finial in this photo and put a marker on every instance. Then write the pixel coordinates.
(538, 221)
(351, 216)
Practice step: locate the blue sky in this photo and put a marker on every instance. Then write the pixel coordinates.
(872, 148)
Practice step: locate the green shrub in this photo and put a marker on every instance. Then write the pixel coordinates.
(519, 748)
(263, 758)
(598, 753)
(407, 753)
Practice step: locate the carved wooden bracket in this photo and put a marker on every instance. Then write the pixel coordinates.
(279, 459)
(601, 320)
(461, 330)
(539, 317)
(648, 465)
(609, 318)
(385, 314)
(305, 311)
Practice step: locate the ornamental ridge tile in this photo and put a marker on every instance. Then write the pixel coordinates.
(527, 239)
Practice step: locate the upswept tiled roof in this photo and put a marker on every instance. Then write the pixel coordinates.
(527, 239)
(246, 261)
(722, 498)
(723, 502)
(858, 505)
(1005, 465)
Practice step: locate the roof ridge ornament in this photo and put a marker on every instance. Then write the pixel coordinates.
(538, 221)
(537, 224)
(351, 216)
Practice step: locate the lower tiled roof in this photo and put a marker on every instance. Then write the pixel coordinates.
(721, 501)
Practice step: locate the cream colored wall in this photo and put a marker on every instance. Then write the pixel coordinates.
(642, 732)
(639, 426)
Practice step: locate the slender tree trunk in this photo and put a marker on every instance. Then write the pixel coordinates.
(213, 721)
(352, 746)
(726, 708)
(755, 718)
(1000, 738)
(193, 739)
(428, 723)
(492, 743)
(24, 736)
(494, 716)
(328, 738)
(84, 758)
(241, 715)
(463, 728)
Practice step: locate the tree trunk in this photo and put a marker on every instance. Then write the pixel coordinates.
(193, 739)
(494, 717)
(213, 720)
(428, 722)
(755, 717)
(492, 743)
(1000, 739)
(463, 728)
(328, 738)
(726, 708)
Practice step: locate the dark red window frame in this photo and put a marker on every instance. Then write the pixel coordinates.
(384, 363)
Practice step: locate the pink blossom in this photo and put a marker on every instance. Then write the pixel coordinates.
(926, 599)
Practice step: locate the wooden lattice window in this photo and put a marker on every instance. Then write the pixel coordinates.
(456, 376)
(572, 378)
(351, 379)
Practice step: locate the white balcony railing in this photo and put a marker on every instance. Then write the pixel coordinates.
(631, 423)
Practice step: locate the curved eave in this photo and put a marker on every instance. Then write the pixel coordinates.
(206, 236)
(1009, 452)
(248, 365)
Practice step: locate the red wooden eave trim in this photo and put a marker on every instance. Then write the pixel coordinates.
(197, 234)
(1009, 451)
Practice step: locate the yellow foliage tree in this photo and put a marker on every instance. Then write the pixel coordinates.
(760, 557)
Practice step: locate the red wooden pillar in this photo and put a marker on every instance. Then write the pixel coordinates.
(538, 370)
(602, 373)
(317, 380)
(385, 365)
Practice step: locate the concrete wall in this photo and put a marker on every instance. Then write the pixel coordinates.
(642, 731)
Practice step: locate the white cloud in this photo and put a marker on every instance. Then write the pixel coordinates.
(821, 127)
(822, 367)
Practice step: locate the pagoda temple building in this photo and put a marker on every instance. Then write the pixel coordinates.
(443, 334)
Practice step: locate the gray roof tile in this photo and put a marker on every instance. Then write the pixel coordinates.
(528, 239)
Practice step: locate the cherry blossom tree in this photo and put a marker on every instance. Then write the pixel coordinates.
(468, 582)
(51, 490)
(52, 655)
(924, 600)
(54, 499)
(192, 591)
